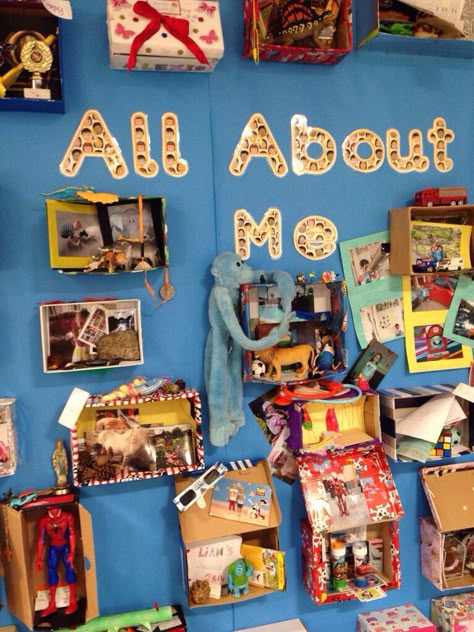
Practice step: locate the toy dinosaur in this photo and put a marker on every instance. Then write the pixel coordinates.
(226, 340)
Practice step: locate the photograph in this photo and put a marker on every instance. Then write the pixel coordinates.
(241, 501)
(117, 419)
(122, 451)
(383, 321)
(371, 366)
(432, 291)
(438, 246)
(464, 320)
(74, 234)
(370, 262)
(432, 346)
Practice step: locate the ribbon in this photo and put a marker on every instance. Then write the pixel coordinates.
(177, 27)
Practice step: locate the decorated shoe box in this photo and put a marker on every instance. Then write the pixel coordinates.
(399, 618)
(123, 437)
(454, 221)
(169, 35)
(316, 340)
(29, 535)
(342, 499)
(88, 335)
(447, 536)
(408, 30)
(31, 72)
(453, 613)
(212, 534)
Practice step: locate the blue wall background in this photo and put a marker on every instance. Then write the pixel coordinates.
(135, 524)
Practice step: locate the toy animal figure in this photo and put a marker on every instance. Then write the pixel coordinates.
(278, 357)
(237, 577)
(223, 355)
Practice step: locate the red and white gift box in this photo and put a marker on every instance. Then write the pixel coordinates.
(169, 35)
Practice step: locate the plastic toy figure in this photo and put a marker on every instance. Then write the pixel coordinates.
(237, 577)
(57, 527)
(59, 460)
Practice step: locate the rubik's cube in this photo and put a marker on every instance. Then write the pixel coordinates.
(443, 445)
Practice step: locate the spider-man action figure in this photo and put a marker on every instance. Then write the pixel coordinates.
(57, 526)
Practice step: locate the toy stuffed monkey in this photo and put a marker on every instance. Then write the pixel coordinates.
(226, 340)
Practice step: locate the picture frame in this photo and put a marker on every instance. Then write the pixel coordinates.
(91, 335)
(371, 366)
(69, 248)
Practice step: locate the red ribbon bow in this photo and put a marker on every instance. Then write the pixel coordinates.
(177, 27)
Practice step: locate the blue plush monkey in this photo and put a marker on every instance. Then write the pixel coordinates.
(223, 356)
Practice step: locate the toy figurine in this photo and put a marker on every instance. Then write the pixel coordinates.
(58, 527)
(237, 577)
(226, 339)
(60, 466)
(325, 360)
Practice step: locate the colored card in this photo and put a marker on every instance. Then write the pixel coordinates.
(241, 501)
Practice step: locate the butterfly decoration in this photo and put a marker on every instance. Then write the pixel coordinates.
(5, 47)
(207, 8)
(120, 4)
(123, 32)
(210, 37)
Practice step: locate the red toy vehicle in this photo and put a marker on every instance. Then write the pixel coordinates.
(443, 196)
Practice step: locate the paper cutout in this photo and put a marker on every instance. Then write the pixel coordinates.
(440, 136)
(92, 139)
(59, 8)
(173, 164)
(302, 137)
(414, 161)
(246, 230)
(257, 141)
(350, 149)
(144, 165)
(315, 237)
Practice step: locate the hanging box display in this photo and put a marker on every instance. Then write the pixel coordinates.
(370, 500)
(447, 538)
(175, 35)
(294, 32)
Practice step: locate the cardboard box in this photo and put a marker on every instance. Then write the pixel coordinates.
(371, 490)
(173, 439)
(24, 584)
(447, 541)
(197, 527)
(31, 77)
(81, 233)
(255, 46)
(401, 221)
(91, 335)
(399, 618)
(320, 309)
(370, 36)
(198, 50)
(290, 625)
(397, 403)
(454, 613)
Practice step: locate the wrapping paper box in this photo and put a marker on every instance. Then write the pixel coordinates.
(188, 32)
(454, 613)
(398, 619)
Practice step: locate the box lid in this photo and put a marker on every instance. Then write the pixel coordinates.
(449, 490)
(196, 523)
(349, 487)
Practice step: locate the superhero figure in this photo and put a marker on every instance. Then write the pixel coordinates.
(340, 491)
(58, 527)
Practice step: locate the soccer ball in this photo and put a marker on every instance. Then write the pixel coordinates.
(258, 368)
(455, 437)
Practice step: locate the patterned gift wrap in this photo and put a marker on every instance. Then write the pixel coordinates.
(397, 619)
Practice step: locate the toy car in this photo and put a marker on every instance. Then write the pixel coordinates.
(425, 265)
(23, 498)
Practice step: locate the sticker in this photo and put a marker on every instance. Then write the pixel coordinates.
(173, 164)
(350, 151)
(92, 139)
(142, 162)
(302, 137)
(315, 237)
(246, 230)
(415, 161)
(257, 141)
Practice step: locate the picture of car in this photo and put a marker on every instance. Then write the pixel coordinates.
(455, 263)
(425, 265)
(441, 290)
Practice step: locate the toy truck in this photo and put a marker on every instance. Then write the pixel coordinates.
(442, 196)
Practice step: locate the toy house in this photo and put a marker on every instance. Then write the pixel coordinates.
(342, 490)
(271, 37)
(447, 536)
(27, 586)
(132, 437)
(31, 72)
(203, 534)
(316, 344)
(188, 36)
(410, 230)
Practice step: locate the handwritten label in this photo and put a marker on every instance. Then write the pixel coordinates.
(59, 8)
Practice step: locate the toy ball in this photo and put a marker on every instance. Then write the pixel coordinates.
(455, 437)
(258, 368)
